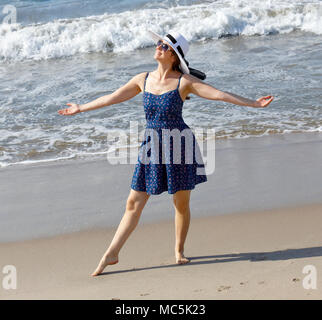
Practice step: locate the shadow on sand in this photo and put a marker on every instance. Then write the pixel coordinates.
(244, 256)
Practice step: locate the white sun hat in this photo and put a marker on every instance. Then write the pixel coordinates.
(178, 43)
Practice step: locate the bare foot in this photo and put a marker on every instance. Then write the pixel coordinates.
(181, 259)
(105, 261)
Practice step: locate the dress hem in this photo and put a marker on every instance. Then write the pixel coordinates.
(182, 188)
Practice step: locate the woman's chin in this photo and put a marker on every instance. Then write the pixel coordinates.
(157, 57)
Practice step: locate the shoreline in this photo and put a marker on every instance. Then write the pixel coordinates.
(98, 156)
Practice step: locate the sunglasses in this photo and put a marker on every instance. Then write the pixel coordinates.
(164, 46)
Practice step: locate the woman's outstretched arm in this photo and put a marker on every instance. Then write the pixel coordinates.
(126, 92)
(204, 90)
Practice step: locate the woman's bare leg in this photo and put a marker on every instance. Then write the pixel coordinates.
(181, 201)
(134, 206)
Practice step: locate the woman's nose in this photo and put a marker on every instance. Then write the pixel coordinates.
(160, 45)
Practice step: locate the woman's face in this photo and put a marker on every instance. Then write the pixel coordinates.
(162, 55)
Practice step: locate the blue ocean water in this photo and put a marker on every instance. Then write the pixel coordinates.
(55, 52)
(35, 11)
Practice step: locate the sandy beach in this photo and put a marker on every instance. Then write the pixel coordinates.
(254, 226)
(258, 255)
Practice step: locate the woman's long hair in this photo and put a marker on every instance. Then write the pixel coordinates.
(176, 66)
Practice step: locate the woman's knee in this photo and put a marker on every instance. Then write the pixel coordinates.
(182, 206)
(136, 202)
(181, 200)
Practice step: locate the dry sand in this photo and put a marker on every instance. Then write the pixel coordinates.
(259, 255)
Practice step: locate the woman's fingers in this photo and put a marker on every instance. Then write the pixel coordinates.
(264, 101)
(66, 112)
(268, 101)
(265, 98)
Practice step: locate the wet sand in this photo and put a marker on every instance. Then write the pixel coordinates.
(250, 174)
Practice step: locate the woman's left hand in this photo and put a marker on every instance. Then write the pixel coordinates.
(263, 102)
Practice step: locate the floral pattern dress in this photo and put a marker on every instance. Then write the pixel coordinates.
(169, 157)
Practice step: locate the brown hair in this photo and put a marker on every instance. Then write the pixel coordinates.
(176, 66)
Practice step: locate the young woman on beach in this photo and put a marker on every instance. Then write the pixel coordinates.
(164, 91)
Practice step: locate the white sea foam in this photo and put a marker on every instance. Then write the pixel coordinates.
(126, 31)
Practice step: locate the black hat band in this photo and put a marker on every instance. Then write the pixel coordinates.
(175, 41)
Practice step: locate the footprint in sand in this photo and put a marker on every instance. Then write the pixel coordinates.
(221, 288)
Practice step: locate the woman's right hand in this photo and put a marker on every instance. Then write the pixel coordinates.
(73, 109)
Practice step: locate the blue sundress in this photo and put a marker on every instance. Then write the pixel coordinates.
(161, 167)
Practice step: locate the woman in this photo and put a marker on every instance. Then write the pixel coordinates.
(162, 102)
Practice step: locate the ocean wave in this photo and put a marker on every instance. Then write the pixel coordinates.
(126, 31)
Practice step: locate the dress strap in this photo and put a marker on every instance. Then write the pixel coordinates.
(145, 80)
(179, 81)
